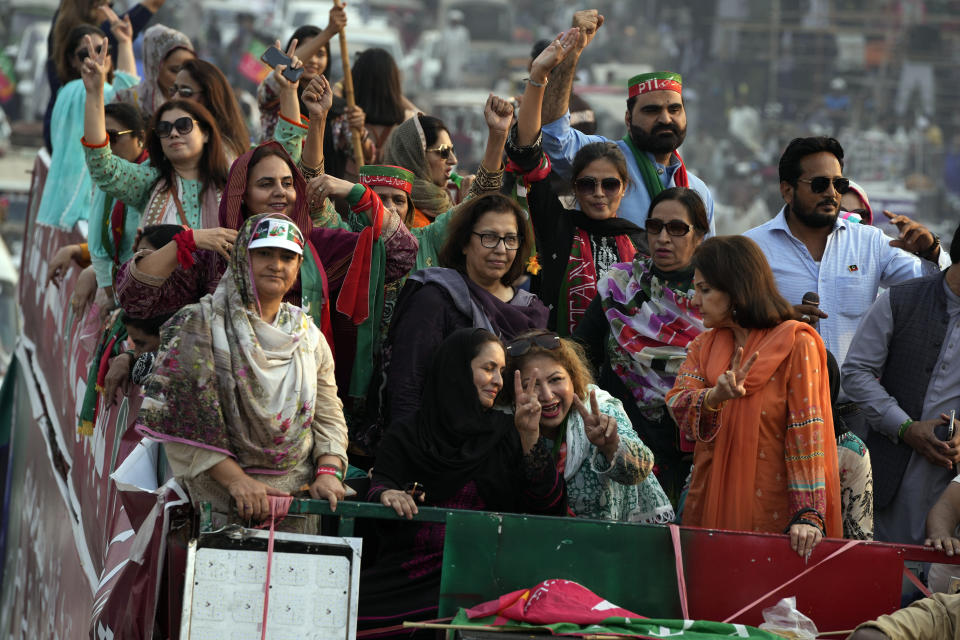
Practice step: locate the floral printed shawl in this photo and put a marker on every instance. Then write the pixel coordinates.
(651, 322)
(626, 490)
(226, 381)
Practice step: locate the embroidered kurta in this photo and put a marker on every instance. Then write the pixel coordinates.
(762, 458)
(135, 185)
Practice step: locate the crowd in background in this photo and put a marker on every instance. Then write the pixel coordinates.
(317, 295)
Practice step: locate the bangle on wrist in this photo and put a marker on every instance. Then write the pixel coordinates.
(706, 404)
(329, 470)
(902, 431)
(539, 85)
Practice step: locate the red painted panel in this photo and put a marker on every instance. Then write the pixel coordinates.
(728, 570)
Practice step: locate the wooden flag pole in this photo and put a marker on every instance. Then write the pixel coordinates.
(356, 135)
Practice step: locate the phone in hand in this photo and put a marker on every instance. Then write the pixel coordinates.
(950, 427)
(274, 57)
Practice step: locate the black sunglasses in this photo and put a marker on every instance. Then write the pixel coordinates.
(183, 125)
(673, 227)
(588, 185)
(520, 346)
(443, 150)
(820, 184)
(114, 135)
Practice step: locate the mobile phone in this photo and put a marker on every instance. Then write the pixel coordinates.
(950, 427)
(275, 57)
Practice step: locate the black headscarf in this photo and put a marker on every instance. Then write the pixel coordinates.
(452, 439)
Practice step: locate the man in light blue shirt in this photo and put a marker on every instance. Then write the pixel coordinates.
(811, 249)
(657, 124)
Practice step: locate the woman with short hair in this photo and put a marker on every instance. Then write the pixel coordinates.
(754, 394)
(485, 251)
(606, 466)
(575, 248)
(636, 330)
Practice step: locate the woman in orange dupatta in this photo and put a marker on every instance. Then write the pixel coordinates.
(765, 458)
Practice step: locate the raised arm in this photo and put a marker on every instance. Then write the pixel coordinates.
(557, 97)
(94, 74)
(528, 115)
(312, 46)
(499, 115)
(318, 97)
(123, 32)
(289, 100)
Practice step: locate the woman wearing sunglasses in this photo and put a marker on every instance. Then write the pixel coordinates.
(606, 467)
(164, 52)
(754, 395)
(68, 192)
(422, 145)
(574, 248)
(457, 451)
(187, 170)
(636, 330)
(203, 82)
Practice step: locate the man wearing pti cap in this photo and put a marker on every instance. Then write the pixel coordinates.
(656, 122)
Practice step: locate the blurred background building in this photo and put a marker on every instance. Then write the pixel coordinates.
(879, 75)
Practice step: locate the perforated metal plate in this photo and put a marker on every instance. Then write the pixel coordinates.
(312, 595)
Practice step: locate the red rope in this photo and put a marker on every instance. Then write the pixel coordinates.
(279, 506)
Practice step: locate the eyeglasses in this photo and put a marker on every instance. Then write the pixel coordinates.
(673, 227)
(113, 135)
(820, 184)
(544, 340)
(588, 185)
(444, 151)
(183, 90)
(183, 125)
(511, 242)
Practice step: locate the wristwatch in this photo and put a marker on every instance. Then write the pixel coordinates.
(932, 249)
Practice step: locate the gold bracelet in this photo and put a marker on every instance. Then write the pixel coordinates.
(707, 408)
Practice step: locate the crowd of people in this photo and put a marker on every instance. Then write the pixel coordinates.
(560, 333)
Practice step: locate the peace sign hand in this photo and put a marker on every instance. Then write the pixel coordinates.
(93, 70)
(526, 410)
(730, 384)
(120, 27)
(601, 429)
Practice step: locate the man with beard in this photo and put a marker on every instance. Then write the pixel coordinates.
(812, 249)
(655, 118)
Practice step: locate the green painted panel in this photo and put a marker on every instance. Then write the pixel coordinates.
(486, 555)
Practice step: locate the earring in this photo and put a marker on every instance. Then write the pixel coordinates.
(733, 313)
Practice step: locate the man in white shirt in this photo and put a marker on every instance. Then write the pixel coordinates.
(811, 249)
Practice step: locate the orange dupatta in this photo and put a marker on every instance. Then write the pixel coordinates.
(727, 485)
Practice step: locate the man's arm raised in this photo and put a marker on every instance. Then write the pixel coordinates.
(556, 98)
